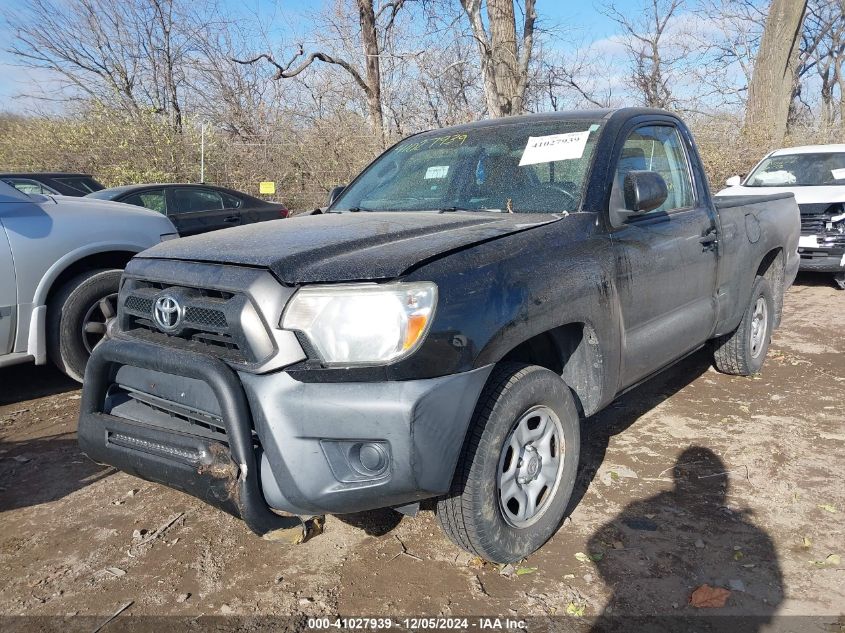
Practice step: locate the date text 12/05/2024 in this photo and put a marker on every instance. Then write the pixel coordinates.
(421, 623)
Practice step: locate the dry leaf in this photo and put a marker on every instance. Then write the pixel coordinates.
(521, 571)
(832, 560)
(574, 609)
(707, 597)
(828, 507)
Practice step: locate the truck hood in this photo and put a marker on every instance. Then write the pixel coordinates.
(347, 246)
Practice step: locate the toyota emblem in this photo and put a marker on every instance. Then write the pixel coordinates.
(167, 313)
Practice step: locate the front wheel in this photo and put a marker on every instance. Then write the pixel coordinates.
(839, 279)
(78, 317)
(517, 468)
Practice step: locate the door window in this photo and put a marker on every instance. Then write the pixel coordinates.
(658, 148)
(81, 184)
(193, 200)
(24, 185)
(231, 202)
(149, 199)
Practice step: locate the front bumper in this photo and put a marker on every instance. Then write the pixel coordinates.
(251, 444)
(822, 260)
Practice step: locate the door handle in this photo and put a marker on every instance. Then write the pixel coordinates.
(709, 239)
(231, 218)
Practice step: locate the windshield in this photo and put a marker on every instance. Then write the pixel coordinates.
(799, 170)
(515, 167)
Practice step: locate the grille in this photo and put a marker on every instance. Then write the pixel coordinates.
(211, 322)
(130, 404)
(152, 411)
(815, 218)
(139, 304)
(221, 346)
(207, 317)
(813, 224)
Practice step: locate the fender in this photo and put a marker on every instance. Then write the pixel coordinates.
(33, 338)
(58, 267)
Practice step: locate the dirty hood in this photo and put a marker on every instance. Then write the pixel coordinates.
(347, 246)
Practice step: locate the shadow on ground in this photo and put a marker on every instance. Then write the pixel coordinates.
(815, 279)
(597, 430)
(685, 551)
(42, 470)
(373, 522)
(27, 382)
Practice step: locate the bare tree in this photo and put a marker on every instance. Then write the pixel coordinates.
(504, 59)
(646, 41)
(727, 43)
(576, 79)
(773, 81)
(132, 54)
(821, 57)
(375, 24)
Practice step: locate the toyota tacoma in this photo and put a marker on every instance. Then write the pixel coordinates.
(439, 330)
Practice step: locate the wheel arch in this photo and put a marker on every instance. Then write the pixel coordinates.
(772, 268)
(572, 351)
(72, 264)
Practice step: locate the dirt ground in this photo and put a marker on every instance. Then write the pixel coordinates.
(694, 478)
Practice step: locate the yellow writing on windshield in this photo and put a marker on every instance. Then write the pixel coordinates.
(452, 140)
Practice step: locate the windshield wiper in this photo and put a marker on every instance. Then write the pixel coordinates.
(453, 209)
(357, 209)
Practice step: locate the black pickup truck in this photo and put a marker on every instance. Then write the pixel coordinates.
(439, 330)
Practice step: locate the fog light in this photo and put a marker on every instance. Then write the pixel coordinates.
(353, 461)
(368, 459)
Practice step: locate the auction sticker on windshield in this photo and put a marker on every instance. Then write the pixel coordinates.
(554, 147)
(436, 172)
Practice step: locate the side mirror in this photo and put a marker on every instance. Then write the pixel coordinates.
(644, 191)
(334, 194)
(733, 181)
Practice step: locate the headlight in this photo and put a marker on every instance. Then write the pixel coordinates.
(363, 323)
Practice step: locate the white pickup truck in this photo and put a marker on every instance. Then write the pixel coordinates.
(815, 174)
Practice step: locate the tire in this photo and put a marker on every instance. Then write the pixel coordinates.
(78, 302)
(743, 352)
(476, 515)
(839, 279)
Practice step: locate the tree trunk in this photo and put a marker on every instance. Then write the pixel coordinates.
(502, 21)
(775, 69)
(504, 58)
(369, 41)
(840, 80)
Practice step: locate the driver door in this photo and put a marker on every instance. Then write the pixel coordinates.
(665, 261)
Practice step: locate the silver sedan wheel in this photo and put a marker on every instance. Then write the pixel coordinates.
(759, 326)
(530, 466)
(96, 321)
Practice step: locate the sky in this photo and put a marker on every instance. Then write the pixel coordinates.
(582, 17)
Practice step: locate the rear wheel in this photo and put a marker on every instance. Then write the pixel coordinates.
(517, 469)
(78, 317)
(743, 351)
